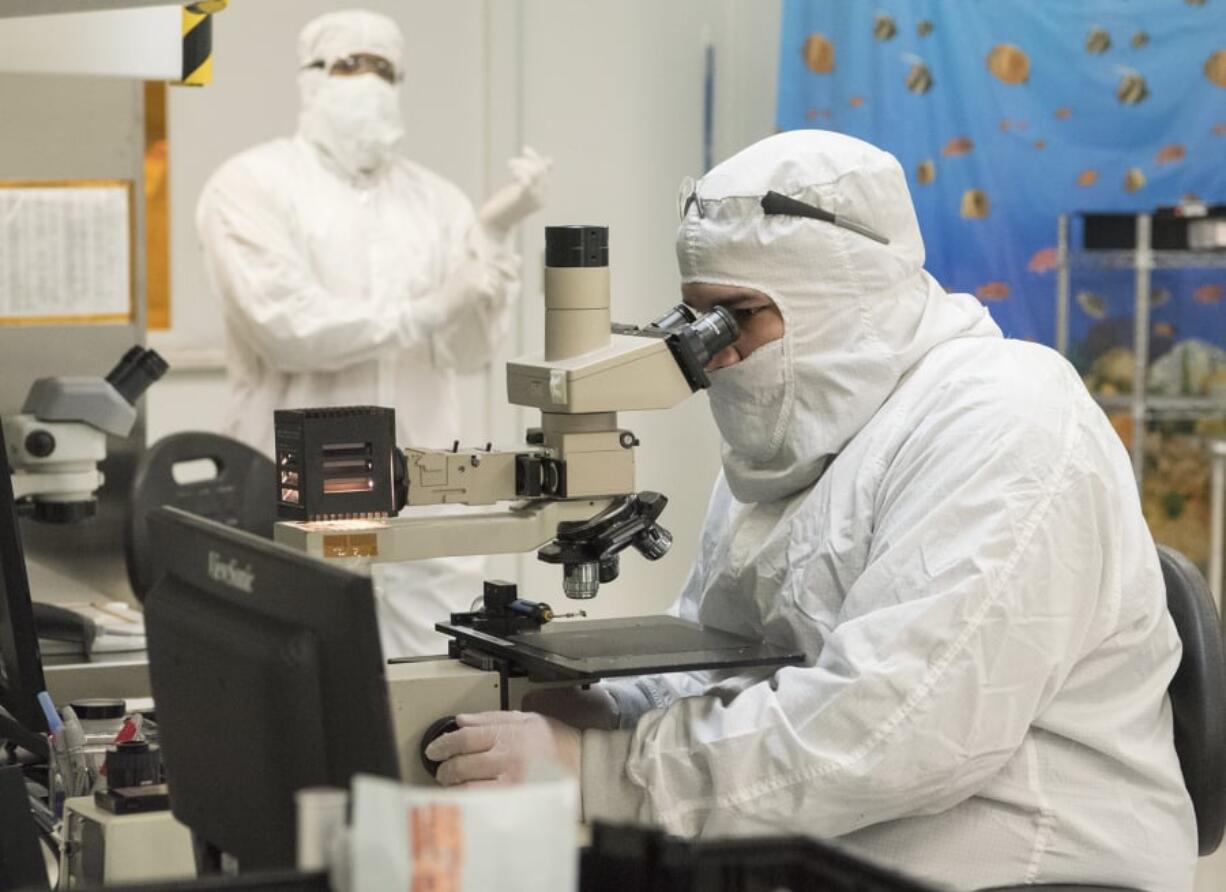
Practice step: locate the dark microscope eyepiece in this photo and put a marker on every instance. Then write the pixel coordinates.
(712, 333)
(679, 316)
(125, 364)
(135, 372)
(694, 339)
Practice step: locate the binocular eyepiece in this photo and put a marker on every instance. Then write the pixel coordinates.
(135, 372)
(703, 336)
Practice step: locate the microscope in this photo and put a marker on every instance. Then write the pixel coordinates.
(52, 450)
(568, 493)
(58, 439)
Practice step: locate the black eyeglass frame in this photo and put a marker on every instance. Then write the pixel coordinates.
(369, 63)
(777, 204)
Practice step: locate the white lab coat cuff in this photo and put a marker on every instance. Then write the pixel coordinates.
(608, 794)
(632, 701)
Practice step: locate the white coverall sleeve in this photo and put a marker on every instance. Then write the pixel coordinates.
(292, 320)
(470, 341)
(636, 696)
(980, 593)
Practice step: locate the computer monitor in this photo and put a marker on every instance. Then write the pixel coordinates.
(267, 677)
(21, 665)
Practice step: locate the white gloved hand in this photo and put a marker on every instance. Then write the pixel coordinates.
(482, 280)
(500, 747)
(501, 266)
(519, 198)
(583, 708)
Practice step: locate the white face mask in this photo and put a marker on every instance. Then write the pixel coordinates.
(751, 403)
(355, 120)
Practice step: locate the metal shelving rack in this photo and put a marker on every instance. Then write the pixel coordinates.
(1143, 260)
(1141, 406)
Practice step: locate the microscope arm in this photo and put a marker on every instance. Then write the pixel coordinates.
(523, 527)
(572, 484)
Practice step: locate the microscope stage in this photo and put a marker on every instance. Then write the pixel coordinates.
(589, 650)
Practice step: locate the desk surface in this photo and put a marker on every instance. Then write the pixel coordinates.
(126, 678)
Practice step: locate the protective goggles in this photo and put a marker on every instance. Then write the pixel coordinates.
(360, 63)
(775, 204)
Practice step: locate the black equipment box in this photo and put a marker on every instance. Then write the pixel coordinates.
(646, 860)
(336, 463)
(1118, 231)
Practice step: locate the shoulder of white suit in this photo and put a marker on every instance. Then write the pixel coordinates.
(284, 165)
(995, 384)
(264, 166)
(437, 185)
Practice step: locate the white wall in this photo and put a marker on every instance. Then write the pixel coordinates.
(254, 97)
(612, 91)
(615, 92)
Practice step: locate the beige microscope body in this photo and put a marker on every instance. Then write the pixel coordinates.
(568, 493)
(575, 467)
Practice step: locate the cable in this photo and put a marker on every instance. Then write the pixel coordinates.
(14, 731)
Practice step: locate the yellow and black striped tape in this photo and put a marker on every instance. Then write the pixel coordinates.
(198, 41)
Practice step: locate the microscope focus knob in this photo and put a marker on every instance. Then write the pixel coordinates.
(445, 725)
(40, 443)
(654, 542)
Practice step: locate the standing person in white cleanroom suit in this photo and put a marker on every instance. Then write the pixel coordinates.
(944, 521)
(352, 276)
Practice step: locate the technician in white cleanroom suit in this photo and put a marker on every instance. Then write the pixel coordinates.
(947, 525)
(352, 276)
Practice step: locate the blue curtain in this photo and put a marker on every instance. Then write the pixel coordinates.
(1007, 113)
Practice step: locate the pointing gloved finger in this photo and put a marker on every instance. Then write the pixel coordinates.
(526, 161)
(527, 174)
(465, 741)
(468, 768)
(529, 169)
(544, 162)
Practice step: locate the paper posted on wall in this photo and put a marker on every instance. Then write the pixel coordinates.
(65, 252)
(421, 839)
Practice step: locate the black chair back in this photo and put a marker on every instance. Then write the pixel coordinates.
(243, 493)
(1198, 694)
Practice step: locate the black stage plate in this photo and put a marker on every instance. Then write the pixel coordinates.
(608, 648)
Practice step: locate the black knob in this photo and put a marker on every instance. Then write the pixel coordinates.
(133, 763)
(498, 594)
(610, 567)
(576, 246)
(654, 542)
(445, 725)
(40, 443)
